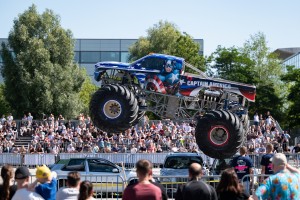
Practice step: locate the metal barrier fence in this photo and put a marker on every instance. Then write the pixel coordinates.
(112, 186)
(127, 159)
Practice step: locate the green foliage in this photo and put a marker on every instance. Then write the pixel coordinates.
(231, 64)
(86, 92)
(293, 77)
(4, 106)
(267, 65)
(254, 64)
(165, 38)
(40, 76)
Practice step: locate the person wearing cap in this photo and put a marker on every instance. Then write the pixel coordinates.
(284, 184)
(22, 179)
(48, 183)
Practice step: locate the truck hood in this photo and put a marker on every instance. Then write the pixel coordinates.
(122, 66)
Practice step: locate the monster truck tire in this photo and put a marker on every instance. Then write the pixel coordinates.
(141, 113)
(113, 108)
(219, 134)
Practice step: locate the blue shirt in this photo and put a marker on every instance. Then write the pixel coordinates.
(242, 166)
(282, 185)
(47, 190)
(265, 161)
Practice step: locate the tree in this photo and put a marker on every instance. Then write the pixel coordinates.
(267, 65)
(40, 75)
(4, 106)
(253, 64)
(165, 38)
(267, 70)
(85, 94)
(231, 64)
(292, 77)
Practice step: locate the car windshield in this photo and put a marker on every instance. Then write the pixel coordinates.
(100, 166)
(182, 162)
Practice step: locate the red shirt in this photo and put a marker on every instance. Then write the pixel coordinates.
(142, 192)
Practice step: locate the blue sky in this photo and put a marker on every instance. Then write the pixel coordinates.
(219, 22)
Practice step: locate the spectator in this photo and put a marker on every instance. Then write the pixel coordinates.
(23, 193)
(48, 183)
(229, 187)
(296, 150)
(29, 119)
(243, 165)
(266, 164)
(72, 190)
(6, 189)
(143, 189)
(86, 191)
(152, 180)
(115, 148)
(284, 184)
(195, 188)
(133, 149)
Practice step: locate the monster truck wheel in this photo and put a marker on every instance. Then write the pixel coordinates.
(219, 134)
(141, 113)
(113, 108)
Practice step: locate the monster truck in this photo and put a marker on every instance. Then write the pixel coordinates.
(159, 83)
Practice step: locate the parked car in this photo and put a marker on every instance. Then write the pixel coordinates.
(174, 171)
(105, 175)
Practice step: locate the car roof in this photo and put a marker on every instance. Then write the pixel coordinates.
(183, 154)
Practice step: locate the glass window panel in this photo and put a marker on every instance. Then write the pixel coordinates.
(110, 45)
(90, 57)
(124, 57)
(125, 44)
(90, 45)
(110, 56)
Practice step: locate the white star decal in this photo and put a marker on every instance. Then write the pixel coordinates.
(181, 81)
(174, 77)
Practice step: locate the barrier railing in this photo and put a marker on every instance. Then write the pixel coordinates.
(256, 179)
(127, 159)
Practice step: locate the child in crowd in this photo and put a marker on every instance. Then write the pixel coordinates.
(48, 183)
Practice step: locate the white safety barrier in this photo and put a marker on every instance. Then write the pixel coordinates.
(39, 159)
(11, 158)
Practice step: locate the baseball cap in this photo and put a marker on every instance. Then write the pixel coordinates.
(279, 159)
(43, 172)
(22, 173)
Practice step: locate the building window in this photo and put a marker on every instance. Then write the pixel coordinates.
(90, 57)
(110, 56)
(124, 57)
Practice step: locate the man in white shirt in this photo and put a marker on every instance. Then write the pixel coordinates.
(23, 193)
(72, 189)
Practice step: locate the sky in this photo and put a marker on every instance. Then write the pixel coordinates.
(218, 22)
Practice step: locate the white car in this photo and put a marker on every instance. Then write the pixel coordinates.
(106, 176)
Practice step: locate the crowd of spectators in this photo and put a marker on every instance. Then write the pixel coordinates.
(57, 135)
(264, 131)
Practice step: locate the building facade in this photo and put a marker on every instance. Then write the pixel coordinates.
(289, 56)
(90, 51)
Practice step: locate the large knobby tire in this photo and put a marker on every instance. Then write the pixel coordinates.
(113, 108)
(219, 134)
(141, 113)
